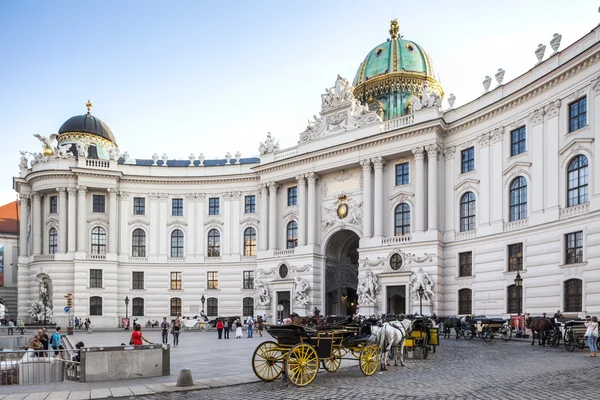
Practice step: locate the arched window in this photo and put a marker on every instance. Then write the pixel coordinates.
(176, 244)
(396, 262)
(514, 299)
(214, 243)
(95, 305)
(248, 307)
(98, 240)
(464, 301)
(467, 212)
(250, 242)
(573, 295)
(577, 181)
(52, 241)
(138, 243)
(212, 306)
(175, 306)
(402, 221)
(137, 307)
(292, 235)
(518, 199)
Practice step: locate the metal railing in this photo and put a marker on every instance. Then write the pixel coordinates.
(37, 367)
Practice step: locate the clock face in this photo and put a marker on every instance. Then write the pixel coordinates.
(342, 210)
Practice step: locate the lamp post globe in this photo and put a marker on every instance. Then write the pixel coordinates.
(421, 292)
(127, 312)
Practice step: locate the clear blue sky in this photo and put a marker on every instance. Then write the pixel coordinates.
(213, 77)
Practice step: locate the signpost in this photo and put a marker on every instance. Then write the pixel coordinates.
(67, 309)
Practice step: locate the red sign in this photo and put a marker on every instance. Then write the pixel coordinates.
(125, 323)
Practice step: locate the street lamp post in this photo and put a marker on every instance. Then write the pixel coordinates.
(127, 312)
(421, 292)
(519, 289)
(45, 301)
(202, 299)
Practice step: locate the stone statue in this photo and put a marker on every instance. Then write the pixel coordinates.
(238, 157)
(499, 76)
(191, 157)
(64, 151)
(268, 146)
(367, 289)
(421, 278)
(340, 94)
(201, 159)
(261, 293)
(37, 310)
(24, 162)
(48, 144)
(154, 159)
(301, 288)
(555, 42)
(113, 153)
(327, 99)
(82, 148)
(451, 100)
(539, 52)
(486, 83)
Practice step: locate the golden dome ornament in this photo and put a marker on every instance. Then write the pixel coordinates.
(342, 210)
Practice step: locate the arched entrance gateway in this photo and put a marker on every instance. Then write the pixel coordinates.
(341, 273)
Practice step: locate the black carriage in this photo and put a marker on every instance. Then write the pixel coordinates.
(574, 335)
(488, 328)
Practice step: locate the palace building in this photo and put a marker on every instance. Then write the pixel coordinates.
(388, 190)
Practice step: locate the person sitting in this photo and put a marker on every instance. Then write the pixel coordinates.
(558, 315)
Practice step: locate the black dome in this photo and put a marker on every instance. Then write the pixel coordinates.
(89, 124)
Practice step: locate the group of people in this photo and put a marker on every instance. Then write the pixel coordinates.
(42, 343)
(85, 324)
(225, 325)
(11, 324)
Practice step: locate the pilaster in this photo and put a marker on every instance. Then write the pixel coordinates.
(311, 178)
(201, 234)
(23, 225)
(498, 198)
(124, 231)
(552, 133)
(62, 220)
(432, 183)
(154, 231)
(367, 198)
(378, 196)
(36, 218)
(483, 166)
(163, 232)
(81, 219)
(113, 221)
(235, 223)
(420, 200)
(301, 210)
(190, 249)
(449, 154)
(72, 220)
(273, 186)
(536, 138)
(263, 212)
(227, 233)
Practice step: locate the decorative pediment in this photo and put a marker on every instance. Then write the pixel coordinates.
(179, 222)
(213, 223)
(576, 146)
(516, 169)
(468, 183)
(249, 221)
(291, 215)
(139, 221)
(98, 218)
(401, 197)
(52, 221)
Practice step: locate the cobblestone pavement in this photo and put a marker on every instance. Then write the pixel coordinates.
(459, 369)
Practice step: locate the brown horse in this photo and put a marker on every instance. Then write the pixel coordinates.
(540, 325)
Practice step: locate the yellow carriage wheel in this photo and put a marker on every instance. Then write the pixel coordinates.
(267, 361)
(332, 363)
(302, 364)
(369, 358)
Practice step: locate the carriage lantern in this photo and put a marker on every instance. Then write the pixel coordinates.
(127, 312)
(519, 285)
(421, 292)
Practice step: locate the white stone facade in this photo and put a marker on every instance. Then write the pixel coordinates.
(346, 157)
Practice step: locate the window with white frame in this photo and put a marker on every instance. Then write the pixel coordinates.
(98, 240)
(518, 199)
(574, 247)
(577, 181)
(467, 212)
(52, 241)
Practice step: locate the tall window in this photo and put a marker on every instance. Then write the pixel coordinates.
(250, 204)
(177, 243)
(248, 307)
(98, 240)
(514, 299)
(98, 203)
(292, 196)
(177, 207)
(577, 181)
(96, 305)
(52, 241)
(250, 242)
(248, 279)
(137, 280)
(467, 212)
(402, 220)
(465, 264)
(96, 278)
(176, 281)
(212, 280)
(518, 199)
(402, 174)
(574, 244)
(464, 301)
(213, 206)
(139, 205)
(53, 204)
(212, 306)
(175, 306)
(214, 243)
(138, 243)
(577, 114)
(517, 141)
(515, 257)
(137, 307)
(292, 235)
(573, 295)
(467, 160)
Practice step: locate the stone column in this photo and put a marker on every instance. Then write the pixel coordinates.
(62, 220)
(484, 200)
(153, 236)
(72, 222)
(301, 210)
(36, 218)
(419, 189)
(449, 153)
(163, 232)
(23, 227)
(226, 234)
(113, 221)
(190, 249)
(551, 188)
(81, 218)
(367, 196)
(124, 232)
(378, 196)
(311, 177)
(263, 213)
(273, 215)
(536, 142)
(201, 233)
(235, 223)
(432, 186)
(498, 198)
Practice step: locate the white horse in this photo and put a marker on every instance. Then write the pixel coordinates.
(389, 336)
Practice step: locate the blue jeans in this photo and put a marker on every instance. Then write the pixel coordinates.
(249, 331)
(592, 343)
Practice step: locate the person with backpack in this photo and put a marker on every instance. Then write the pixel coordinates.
(55, 342)
(250, 323)
(164, 326)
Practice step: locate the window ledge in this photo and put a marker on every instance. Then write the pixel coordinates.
(473, 171)
(523, 154)
(574, 265)
(213, 290)
(95, 288)
(138, 290)
(522, 271)
(582, 129)
(175, 290)
(457, 278)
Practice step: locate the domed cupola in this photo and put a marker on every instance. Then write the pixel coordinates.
(394, 71)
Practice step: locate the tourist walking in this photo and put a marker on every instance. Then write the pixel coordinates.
(176, 330)
(592, 333)
(164, 325)
(250, 323)
(137, 338)
(261, 325)
(35, 344)
(45, 340)
(227, 327)
(11, 327)
(55, 342)
(238, 329)
(220, 328)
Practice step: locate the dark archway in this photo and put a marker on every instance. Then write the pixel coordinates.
(341, 273)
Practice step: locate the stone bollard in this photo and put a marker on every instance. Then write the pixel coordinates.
(185, 378)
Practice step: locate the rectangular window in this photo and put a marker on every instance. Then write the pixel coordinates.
(250, 204)
(96, 305)
(293, 196)
(138, 280)
(464, 301)
(96, 278)
(139, 206)
(248, 279)
(175, 306)
(98, 203)
(465, 261)
(578, 114)
(574, 247)
(402, 174)
(517, 141)
(468, 160)
(177, 207)
(213, 206)
(137, 307)
(213, 280)
(515, 257)
(53, 204)
(175, 280)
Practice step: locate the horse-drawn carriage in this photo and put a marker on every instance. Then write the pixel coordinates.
(422, 337)
(299, 350)
(574, 335)
(487, 328)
